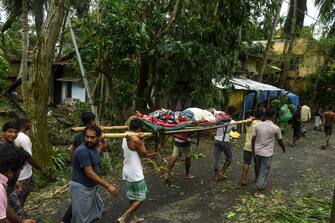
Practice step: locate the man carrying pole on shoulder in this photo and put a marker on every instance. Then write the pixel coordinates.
(86, 202)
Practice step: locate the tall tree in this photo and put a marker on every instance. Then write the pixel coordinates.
(332, 214)
(300, 7)
(288, 46)
(270, 39)
(24, 39)
(327, 15)
(36, 81)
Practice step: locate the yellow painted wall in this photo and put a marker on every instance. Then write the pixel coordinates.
(312, 56)
(236, 99)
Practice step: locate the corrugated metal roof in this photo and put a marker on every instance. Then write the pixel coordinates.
(239, 83)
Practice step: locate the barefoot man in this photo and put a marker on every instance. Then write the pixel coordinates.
(328, 118)
(247, 152)
(132, 174)
(264, 137)
(182, 144)
(222, 144)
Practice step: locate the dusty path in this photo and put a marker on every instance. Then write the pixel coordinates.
(202, 200)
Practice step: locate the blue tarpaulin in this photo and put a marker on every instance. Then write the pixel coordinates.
(294, 99)
(263, 96)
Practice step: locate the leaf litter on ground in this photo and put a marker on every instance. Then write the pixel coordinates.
(307, 202)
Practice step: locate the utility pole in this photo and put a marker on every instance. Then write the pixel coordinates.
(82, 70)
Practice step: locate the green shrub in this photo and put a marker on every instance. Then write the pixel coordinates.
(4, 68)
(57, 169)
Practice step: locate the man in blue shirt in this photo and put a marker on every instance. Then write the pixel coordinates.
(87, 118)
(86, 203)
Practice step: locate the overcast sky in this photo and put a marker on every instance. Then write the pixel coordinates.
(311, 10)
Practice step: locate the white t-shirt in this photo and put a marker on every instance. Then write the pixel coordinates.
(23, 141)
(3, 196)
(220, 132)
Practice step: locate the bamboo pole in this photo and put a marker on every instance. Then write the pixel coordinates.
(103, 128)
(82, 70)
(207, 128)
(126, 134)
(195, 129)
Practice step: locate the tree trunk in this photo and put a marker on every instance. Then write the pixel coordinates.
(332, 217)
(25, 44)
(269, 42)
(39, 14)
(36, 82)
(288, 56)
(140, 103)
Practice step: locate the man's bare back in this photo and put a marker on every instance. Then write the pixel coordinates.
(329, 116)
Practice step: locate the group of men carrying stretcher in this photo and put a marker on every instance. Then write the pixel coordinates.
(86, 203)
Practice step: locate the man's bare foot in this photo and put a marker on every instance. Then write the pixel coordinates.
(222, 176)
(189, 177)
(121, 220)
(243, 183)
(219, 177)
(136, 219)
(167, 179)
(259, 195)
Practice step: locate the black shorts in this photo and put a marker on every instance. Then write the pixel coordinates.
(328, 128)
(247, 157)
(296, 131)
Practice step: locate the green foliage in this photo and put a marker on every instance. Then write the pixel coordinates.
(307, 202)
(197, 155)
(57, 169)
(145, 56)
(4, 68)
(58, 156)
(325, 93)
(112, 163)
(277, 104)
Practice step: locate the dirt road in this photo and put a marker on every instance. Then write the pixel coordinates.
(202, 200)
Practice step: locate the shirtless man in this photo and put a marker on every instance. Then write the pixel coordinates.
(328, 118)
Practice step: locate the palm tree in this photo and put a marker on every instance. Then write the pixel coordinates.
(13, 8)
(327, 15)
(269, 42)
(36, 7)
(300, 15)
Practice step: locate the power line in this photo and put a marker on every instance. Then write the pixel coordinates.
(305, 13)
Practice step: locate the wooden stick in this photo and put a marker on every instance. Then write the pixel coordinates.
(103, 128)
(207, 128)
(195, 129)
(126, 134)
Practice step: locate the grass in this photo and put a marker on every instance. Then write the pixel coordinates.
(307, 202)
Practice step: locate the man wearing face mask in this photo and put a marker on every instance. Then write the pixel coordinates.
(11, 162)
(86, 203)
